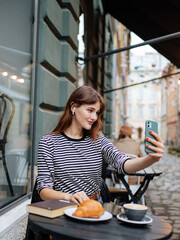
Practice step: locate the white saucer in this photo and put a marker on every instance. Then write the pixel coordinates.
(106, 216)
(123, 218)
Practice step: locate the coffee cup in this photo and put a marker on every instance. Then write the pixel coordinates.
(134, 211)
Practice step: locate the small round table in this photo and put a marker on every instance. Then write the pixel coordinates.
(65, 227)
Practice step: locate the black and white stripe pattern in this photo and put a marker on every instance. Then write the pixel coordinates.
(70, 165)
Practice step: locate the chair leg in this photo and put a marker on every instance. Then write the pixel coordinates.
(6, 172)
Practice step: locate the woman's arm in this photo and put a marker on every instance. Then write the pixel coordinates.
(137, 164)
(48, 193)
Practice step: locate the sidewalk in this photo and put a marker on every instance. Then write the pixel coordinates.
(163, 194)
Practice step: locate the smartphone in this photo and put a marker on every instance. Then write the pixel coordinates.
(150, 125)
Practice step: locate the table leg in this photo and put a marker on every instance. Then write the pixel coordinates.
(140, 191)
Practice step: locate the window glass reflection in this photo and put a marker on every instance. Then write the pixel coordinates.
(15, 104)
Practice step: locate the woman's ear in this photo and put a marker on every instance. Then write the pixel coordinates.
(71, 106)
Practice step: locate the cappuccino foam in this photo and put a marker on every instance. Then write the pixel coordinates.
(135, 206)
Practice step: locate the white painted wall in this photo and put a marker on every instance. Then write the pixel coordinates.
(14, 222)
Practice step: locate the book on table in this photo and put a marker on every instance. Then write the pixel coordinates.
(50, 208)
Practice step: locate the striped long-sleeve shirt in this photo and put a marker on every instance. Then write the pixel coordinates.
(71, 165)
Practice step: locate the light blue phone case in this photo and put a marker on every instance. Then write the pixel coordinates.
(150, 125)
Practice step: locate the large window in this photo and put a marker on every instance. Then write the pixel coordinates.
(140, 111)
(15, 79)
(140, 94)
(152, 111)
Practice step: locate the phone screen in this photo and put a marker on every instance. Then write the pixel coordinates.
(150, 126)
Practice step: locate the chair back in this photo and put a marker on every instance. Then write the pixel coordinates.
(35, 195)
(6, 116)
(30, 235)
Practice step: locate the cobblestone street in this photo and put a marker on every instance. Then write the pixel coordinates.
(163, 195)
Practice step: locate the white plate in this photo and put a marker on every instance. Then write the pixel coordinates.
(123, 218)
(106, 216)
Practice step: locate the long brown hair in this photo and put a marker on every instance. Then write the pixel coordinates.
(82, 95)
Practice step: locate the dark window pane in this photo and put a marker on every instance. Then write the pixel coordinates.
(15, 80)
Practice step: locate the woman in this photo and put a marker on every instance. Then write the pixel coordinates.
(70, 158)
(126, 144)
(129, 146)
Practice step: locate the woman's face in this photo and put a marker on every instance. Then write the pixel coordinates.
(86, 115)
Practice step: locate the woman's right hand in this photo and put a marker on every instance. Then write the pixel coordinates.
(48, 193)
(77, 198)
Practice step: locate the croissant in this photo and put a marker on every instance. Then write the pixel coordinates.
(89, 209)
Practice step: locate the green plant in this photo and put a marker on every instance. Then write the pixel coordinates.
(172, 149)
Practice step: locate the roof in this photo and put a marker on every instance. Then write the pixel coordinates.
(148, 20)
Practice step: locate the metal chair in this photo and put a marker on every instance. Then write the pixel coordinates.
(133, 181)
(134, 184)
(4, 128)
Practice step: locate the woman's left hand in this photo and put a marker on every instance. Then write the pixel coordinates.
(158, 146)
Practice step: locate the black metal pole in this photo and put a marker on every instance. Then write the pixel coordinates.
(152, 41)
(143, 82)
